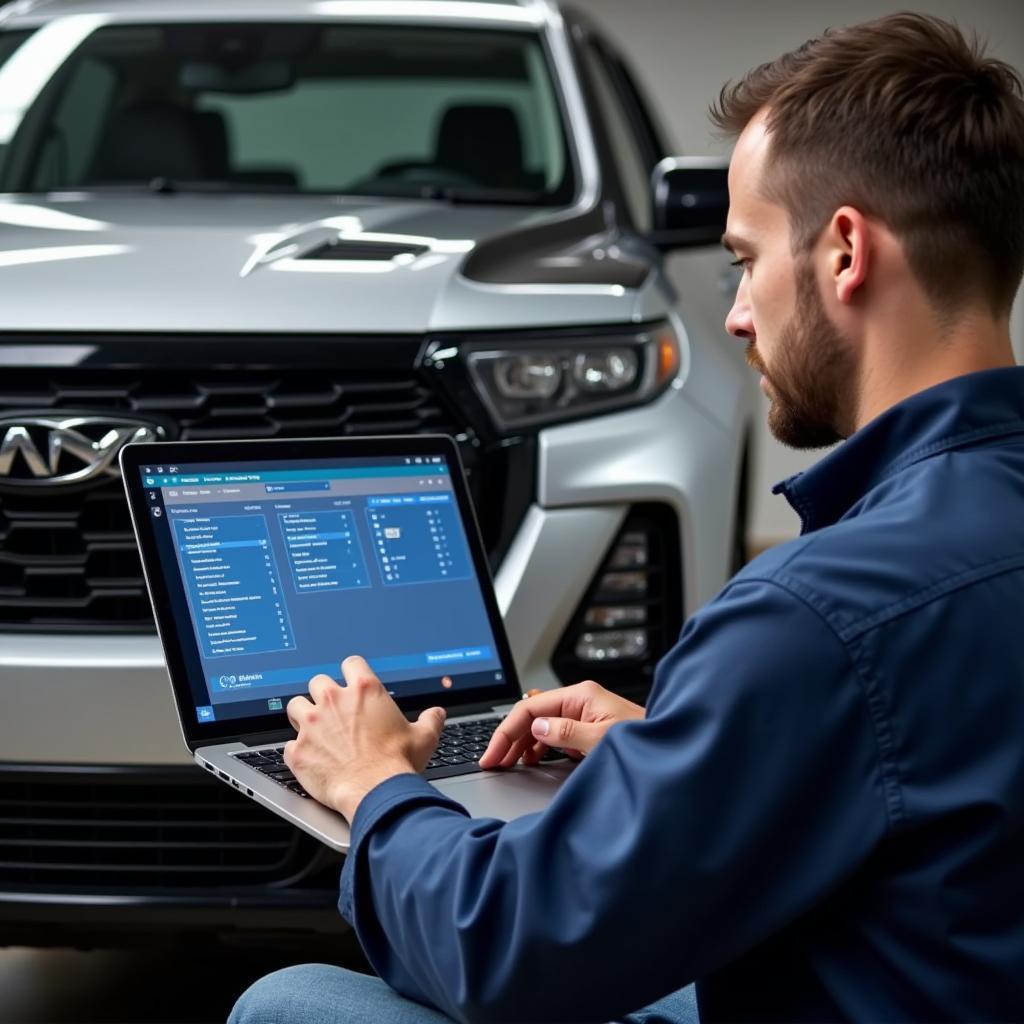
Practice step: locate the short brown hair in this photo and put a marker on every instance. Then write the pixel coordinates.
(908, 120)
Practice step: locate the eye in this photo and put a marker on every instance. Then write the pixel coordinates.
(741, 262)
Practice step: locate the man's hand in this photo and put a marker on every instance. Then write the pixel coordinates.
(573, 718)
(353, 737)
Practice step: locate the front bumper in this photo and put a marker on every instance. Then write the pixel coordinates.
(100, 707)
(88, 921)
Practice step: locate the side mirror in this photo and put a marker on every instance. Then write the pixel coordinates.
(691, 201)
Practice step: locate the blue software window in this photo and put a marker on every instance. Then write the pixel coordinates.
(417, 538)
(288, 571)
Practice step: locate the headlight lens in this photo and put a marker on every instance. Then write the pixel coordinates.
(527, 377)
(612, 370)
(542, 383)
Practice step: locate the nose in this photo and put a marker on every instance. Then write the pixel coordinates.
(739, 322)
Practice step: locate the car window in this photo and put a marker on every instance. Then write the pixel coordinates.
(627, 149)
(70, 143)
(10, 41)
(304, 108)
(645, 123)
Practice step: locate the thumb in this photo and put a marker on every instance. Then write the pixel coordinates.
(568, 732)
(430, 723)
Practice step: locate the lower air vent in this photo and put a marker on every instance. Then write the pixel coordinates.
(133, 830)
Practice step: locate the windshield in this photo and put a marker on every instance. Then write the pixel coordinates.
(301, 108)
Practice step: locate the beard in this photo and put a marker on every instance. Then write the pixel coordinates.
(812, 383)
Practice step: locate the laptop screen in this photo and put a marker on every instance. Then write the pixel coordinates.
(280, 568)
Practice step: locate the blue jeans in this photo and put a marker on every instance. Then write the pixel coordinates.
(321, 994)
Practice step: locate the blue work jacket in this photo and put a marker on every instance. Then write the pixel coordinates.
(821, 816)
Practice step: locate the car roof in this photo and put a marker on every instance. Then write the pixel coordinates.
(492, 13)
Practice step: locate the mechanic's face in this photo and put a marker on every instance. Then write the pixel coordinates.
(806, 364)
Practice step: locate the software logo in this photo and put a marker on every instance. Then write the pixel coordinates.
(52, 450)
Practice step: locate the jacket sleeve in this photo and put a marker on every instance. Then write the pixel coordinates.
(750, 790)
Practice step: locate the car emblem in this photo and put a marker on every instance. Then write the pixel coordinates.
(48, 450)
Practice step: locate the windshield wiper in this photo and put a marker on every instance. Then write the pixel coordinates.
(173, 186)
(169, 186)
(498, 196)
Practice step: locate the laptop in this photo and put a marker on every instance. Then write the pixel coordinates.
(269, 562)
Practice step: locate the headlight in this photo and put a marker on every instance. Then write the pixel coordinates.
(537, 382)
(527, 377)
(613, 370)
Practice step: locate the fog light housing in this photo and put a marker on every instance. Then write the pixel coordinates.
(612, 645)
(632, 611)
(614, 616)
(631, 552)
(632, 584)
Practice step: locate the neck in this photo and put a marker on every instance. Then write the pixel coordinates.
(899, 364)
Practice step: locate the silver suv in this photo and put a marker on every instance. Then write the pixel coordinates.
(298, 218)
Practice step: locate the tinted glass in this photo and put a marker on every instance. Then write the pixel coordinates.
(306, 108)
(634, 175)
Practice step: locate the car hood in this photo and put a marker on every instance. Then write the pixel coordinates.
(186, 263)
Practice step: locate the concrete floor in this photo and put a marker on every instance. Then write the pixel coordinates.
(120, 986)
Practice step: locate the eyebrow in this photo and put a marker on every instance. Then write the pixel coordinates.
(731, 242)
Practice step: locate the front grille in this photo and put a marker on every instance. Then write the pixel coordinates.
(67, 556)
(136, 830)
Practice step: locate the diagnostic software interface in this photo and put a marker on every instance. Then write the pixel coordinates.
(283, 569)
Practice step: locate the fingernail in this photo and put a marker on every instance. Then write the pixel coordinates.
(541, 727)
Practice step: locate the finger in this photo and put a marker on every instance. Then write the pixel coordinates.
(568, 734)
(517, 723)
(516, 751)
(508, 753)
(532, 755)
(322, 688)
(289, 753)
(357, 672)
(298, 708)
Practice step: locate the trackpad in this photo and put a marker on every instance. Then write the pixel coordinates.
(507, 794)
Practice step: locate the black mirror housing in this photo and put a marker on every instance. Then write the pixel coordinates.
(691, 201)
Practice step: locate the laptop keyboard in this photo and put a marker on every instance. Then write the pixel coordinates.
(270, 762)
(460, 747)
(458, 753)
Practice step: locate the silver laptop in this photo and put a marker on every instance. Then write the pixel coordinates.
(268, 562)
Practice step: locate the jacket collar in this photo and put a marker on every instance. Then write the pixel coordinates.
(956, 412)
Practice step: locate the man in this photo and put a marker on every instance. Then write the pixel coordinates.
(821, 815)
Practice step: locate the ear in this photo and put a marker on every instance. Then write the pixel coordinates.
(848, 241)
